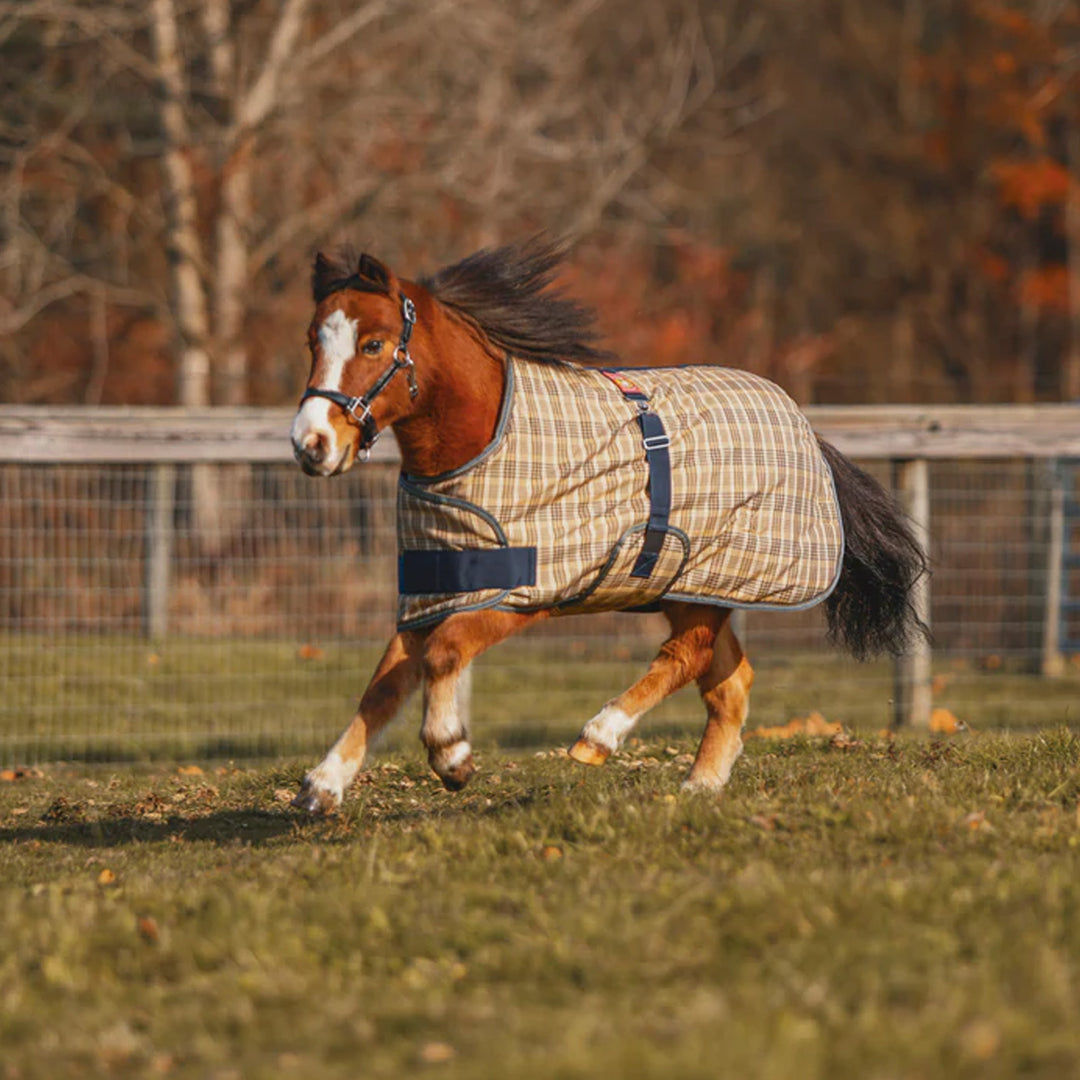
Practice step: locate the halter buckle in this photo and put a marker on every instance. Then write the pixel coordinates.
(361, 416)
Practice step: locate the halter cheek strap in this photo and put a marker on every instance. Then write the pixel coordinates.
(359, 408)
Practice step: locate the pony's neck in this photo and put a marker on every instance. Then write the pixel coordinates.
(462, 380)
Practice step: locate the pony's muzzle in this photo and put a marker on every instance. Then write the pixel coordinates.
(311, 452)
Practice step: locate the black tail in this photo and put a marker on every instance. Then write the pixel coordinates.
(870, 610)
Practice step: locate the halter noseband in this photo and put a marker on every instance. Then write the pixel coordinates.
(359, 408)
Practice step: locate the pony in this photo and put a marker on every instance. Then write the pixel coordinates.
(437, 360)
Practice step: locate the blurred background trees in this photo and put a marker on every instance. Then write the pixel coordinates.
(867, 200)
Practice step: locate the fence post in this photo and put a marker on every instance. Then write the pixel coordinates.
(1053, 662)
(159, 540)
(911, 677)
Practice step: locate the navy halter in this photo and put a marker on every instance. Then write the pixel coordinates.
(359, 408)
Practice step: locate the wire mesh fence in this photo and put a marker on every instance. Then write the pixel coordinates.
(200, 610)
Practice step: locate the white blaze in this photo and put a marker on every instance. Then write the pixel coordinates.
(337, 342)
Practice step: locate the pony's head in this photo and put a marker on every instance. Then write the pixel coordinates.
(473, 314)
(361, 378)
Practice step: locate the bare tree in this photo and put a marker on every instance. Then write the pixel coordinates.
(431, 126)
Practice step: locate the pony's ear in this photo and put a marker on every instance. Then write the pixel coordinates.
(374, 271)
(324, 274)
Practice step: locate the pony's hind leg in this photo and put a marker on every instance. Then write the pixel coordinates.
(685, 655)
(725, 689)
(395, 678)
(448, 650)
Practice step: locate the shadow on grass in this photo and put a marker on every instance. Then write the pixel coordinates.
(144, 750)
(225, 826)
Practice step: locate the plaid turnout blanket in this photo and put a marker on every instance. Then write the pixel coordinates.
(721, 496)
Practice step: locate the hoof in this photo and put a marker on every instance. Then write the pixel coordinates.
(453, 764)
(589, 753)
(315, 800)
(454, 779)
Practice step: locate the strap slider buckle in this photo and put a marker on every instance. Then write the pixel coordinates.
(656, 442)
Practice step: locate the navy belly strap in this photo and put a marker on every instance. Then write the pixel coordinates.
(656, 442)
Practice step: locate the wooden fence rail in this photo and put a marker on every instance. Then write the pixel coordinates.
(908, 436)
(180, 435)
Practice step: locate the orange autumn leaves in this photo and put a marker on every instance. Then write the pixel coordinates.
(942, 722)
(814, 725)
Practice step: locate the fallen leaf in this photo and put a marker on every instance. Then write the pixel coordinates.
(435, 1053)
(975, 820)
(106, 877)
(283, 795)
(551, 851)
(765, 821)
(21, 772)
(63, 810)
(843, 741)
(148, 929)
(815, 724)
(189, 770)
(310, 652)
(980, 1040)
(944, 722)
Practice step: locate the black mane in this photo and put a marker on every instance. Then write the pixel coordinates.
(506, 293)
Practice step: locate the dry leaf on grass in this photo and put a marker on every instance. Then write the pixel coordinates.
(843, 741)
(148, 929)
(815, 724)
(106, 877)
(765, 821)
(943, 722)
(22, 772)
(435, 1053)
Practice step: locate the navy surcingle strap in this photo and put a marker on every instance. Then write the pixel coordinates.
(426, 572)
(656, 442)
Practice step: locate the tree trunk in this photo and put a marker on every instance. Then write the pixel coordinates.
(1070, 388)
(185, 248)
(231, 278)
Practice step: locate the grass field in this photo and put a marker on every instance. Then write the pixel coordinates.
(122, 699)
(865, 908)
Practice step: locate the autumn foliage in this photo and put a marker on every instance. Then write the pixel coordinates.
(876, 201)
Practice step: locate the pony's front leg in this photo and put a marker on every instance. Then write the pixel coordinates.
(394, 680)
(448, 650)
(685, 655)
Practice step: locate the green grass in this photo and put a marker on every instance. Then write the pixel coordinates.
(122, 699)
(884, 910)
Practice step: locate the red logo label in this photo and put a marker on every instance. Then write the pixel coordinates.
(623, 383)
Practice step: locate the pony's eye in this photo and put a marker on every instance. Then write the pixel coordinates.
(372, 348)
